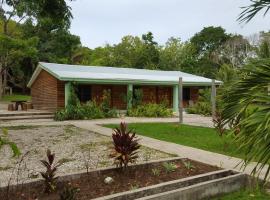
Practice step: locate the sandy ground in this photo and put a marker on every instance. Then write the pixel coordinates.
(74, 147)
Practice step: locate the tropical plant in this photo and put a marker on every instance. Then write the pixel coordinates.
(4, 140)
(49, 176)
(90, 110)
(250, 11)
(126, 145)
(150, 110)
(219, 124)
(188, 165)
(156, 172)
(69, 193)
(169, 167)
(247, 108)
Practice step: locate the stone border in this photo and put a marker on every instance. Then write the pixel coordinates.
(204, 190)
(164, 189)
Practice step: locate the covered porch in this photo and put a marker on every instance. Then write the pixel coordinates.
(150, 94)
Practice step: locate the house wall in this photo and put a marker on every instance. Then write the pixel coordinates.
(157, 94)
(47, 92)
(118, 92)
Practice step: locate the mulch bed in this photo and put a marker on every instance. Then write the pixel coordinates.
(92, 185)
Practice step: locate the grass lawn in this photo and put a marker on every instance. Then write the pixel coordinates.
(193, 136)
(246, 195)
(15, 97)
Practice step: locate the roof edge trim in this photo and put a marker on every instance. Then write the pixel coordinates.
(37, 72)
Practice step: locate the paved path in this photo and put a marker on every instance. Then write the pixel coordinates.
(180, 150)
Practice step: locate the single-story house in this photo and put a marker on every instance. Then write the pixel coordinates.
(50, 85)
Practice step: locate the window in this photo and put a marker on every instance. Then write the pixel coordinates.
(186, 94)
(84, 93)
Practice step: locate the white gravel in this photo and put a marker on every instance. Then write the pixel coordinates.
(75, 148)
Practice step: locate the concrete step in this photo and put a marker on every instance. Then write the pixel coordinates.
(26, 117)
(24, 113)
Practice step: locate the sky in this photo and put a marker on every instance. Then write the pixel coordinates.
(98, 22)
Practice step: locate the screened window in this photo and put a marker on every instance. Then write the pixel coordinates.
(186, 94)
(84, 93)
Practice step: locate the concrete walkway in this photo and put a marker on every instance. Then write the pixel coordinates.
(180, 150)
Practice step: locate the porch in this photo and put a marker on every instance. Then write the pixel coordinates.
(150, 94)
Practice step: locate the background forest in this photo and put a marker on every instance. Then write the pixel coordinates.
(32, 31)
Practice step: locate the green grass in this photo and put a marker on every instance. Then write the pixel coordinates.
(15, 97)
(193, 136)
(246, 195)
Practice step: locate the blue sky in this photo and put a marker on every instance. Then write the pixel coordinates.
(106, 21)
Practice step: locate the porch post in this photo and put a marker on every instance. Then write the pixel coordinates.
(213, 98)
(129, 95)
(67, 92)
(175, 98)
(180, 96)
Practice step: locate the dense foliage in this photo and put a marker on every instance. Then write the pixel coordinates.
(126, 145)
(150, 110)
(203, 106)
(89, 110)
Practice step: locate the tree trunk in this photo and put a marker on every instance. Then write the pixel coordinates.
(4, 81)
(1, 82)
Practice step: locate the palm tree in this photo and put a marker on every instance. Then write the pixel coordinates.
(247, 106)
(250, 11)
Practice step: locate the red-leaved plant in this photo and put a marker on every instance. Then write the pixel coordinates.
(126, 145)
(49, 176)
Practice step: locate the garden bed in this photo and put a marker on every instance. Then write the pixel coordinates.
(91, 185)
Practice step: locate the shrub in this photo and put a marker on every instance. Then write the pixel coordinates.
(49, 175)
(4, 140)
(169, 167)
(203, 106)
(69, 193)
(150, 110)
(126, 145)
(90, 110)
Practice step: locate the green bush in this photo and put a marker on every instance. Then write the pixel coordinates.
(203, 106)
(90, 110)
(150, 110)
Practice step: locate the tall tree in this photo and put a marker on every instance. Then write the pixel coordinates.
(177, 55)
(206, 42)
(235, 51)
(209, 39)
(51, 14)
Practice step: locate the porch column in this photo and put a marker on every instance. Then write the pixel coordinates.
(129, 95)
(175, 99)
(180, 99)
(67, 92)
(213, 99)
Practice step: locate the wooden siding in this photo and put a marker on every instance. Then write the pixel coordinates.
(47, 92)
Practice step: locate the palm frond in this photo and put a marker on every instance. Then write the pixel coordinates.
(250, 11)
(248, 101)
